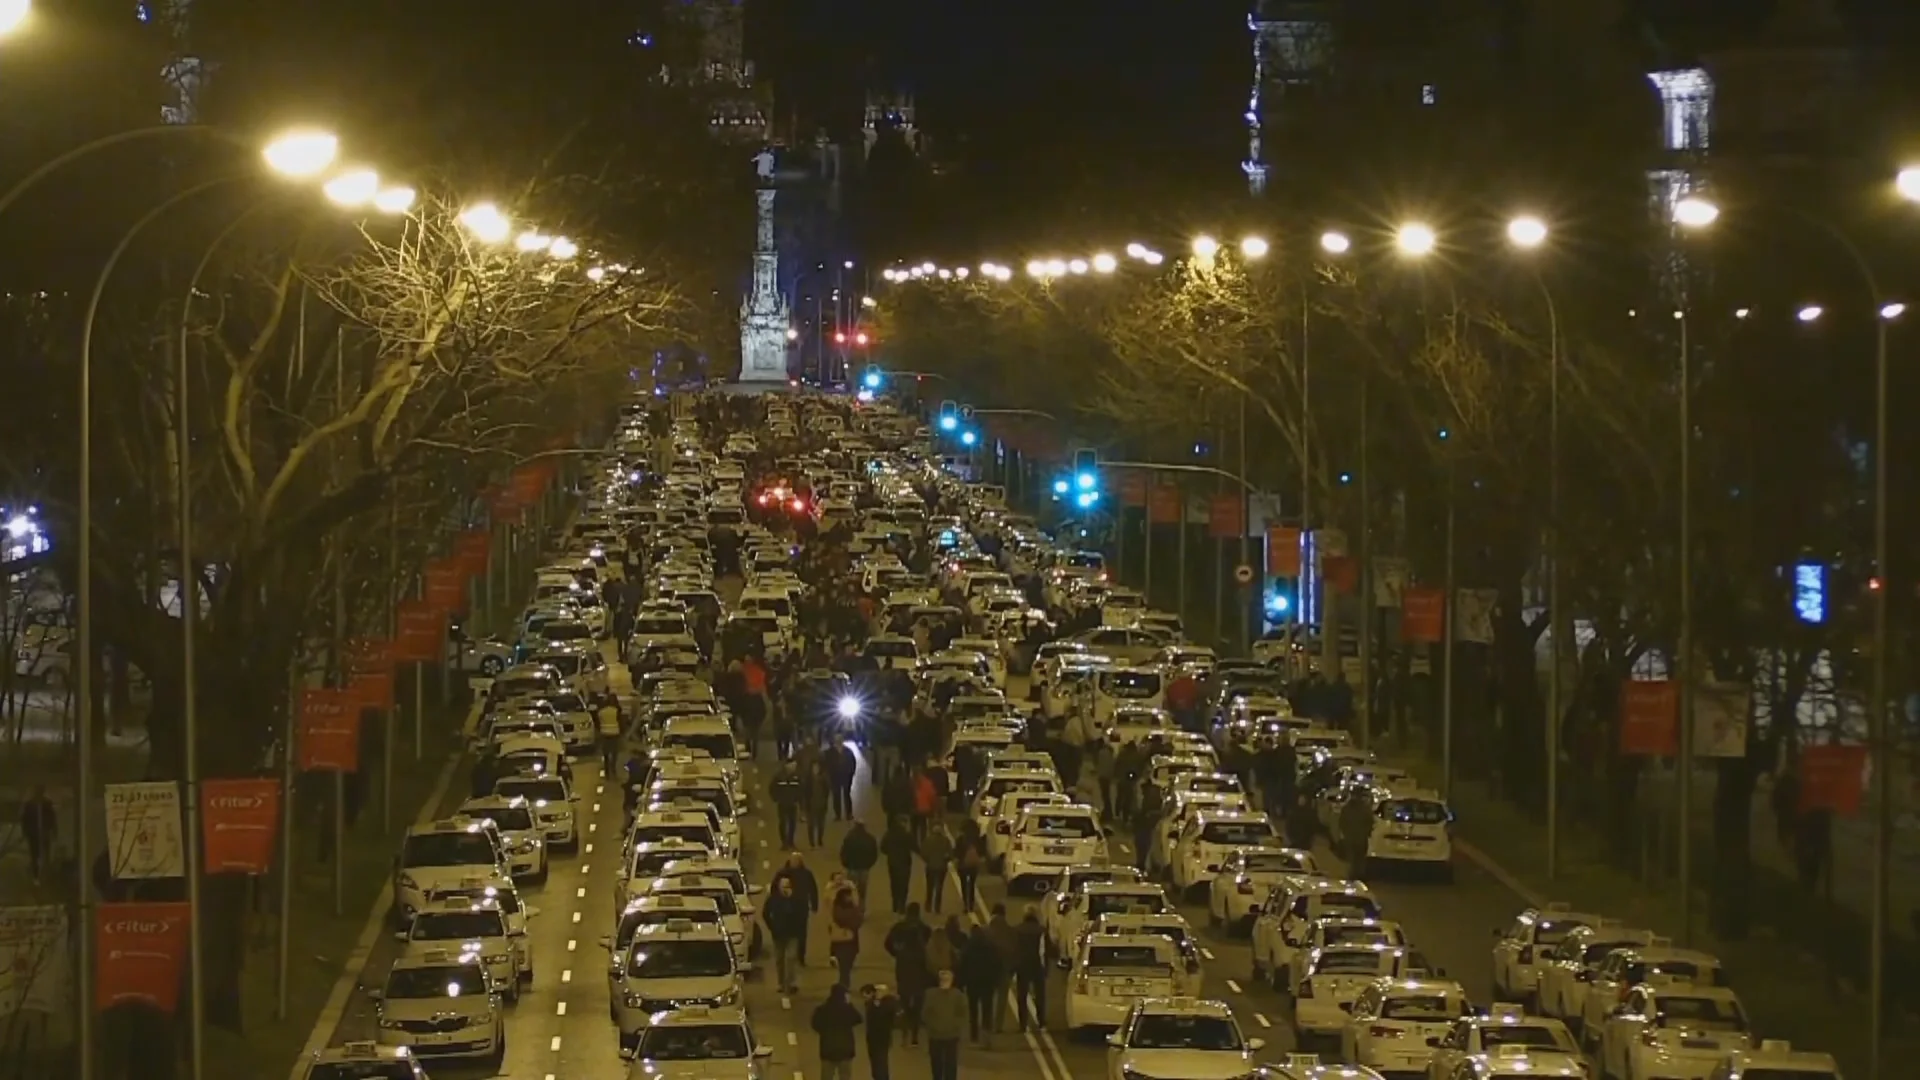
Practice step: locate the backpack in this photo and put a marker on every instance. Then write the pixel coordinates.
(925, 798)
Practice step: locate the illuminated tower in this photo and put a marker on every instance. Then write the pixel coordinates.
(1292, 46)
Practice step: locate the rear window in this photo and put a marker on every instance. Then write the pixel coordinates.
(1352, 963)
(1124, 956)
(722, 898)
(534, 791)
(1494, 1035)
(1237, 832)
(650, 627)
(1129, 684)
(1121, 903)
(1419, 1007)
(1064, 826)
(1414, 812)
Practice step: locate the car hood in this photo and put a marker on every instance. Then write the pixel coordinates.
(1188, 1064)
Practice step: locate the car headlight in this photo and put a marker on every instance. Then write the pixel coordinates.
(406, 881)
(632, 1000)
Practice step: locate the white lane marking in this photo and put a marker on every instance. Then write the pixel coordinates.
(596, 808)
(786, 1002)
(792, 1039)
(584, 868)
(580, 893)
(566, 976)
(1261, 1019)
(798, 1075)
(593, 826)
(576, 916)
(1233, 986)
(555, 1044)
(572, 944)
(561, 1009)
(599, 789)
(589, 850)
(1206, 952)
(765, 864)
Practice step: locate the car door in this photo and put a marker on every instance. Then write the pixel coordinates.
(1622, 1024)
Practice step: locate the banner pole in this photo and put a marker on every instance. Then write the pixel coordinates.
(285, 942)
(339, 841)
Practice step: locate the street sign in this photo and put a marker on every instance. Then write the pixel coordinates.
(1226, 516)
(1243, 574)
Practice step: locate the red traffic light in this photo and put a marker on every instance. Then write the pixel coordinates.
(860, 338)
(839, 339)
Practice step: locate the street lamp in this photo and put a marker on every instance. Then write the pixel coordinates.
(563, 248)
(301, 154)
(1810, 313)
(1205, 247)
(1253, 247)
(1694, 212)
(394, 200)
(1893, 310)
(14, 15)
(1415, 239)
(1907, 183)
(1527, 231)
(532, 240)
(1335, 243)
(353, 188)
(1104, 263)
(487, 223)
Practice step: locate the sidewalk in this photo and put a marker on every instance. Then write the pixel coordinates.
(1789, 982)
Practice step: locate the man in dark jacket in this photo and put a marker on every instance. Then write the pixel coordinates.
(883, 1008)
(979, 974)
(898, 846)
(786, 791)
(858, 854)
(1030, 970)
(841, 767)
(1006, 944)
(786, 913)
(833, 1021)
(804, 884)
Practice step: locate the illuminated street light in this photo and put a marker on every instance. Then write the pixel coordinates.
(1060, 487)
(1809, 313)
(394, 200)
(300, 154)
(1253, 247)
(945, 274)
(353, 188)
(14, 15)
(848, 264)
(1205, 247)
(861, 338)
(792, 334)
(961, 273)
(926, 268)
(1694, 212)
(1527, 231)
(869, 302)
(1104, 263)
(1741, 313)
(1036, 268)
(533, 240)
(968, 438)
(596, 273)
(1415, 239)
(1908, 183)
(1136, 250)
(1077, 266)
(487, 223)
(563, 248)
(1335, 243)
(1153, 258)
(1056, 268)
(1893, 310)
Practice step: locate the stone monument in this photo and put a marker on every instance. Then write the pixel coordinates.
(764, 315)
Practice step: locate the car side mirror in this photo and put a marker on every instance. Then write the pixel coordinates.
(1116, 1040)
(1256, 1045)
(1065, 963)
(400, 935)
(763, 1051)
(629, 1053)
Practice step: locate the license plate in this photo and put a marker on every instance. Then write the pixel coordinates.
(1058, 849)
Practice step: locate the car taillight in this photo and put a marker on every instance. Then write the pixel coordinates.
(1381, 1031)
(1306, 990)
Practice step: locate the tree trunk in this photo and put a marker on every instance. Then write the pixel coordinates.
(226, 923)
(1730, 911)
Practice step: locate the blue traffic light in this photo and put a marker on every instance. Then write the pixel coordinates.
(1086, 499)
(1278, 603)
(873, 380)
(968, 438)
(1086, 481)
(1060, 487)
(948, 423)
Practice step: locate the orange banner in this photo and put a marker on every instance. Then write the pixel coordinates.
(423, 629)
(1423, 614)
(470, 550)
(1163, 505)
(444, 581)
(238, 822)
(373, 689)
(329, 730)
(1283, 551)
(1649, 718)
(1832, 778)
(1227, 516)
(139, 954)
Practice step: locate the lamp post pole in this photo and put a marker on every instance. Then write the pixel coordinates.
(1685, 650)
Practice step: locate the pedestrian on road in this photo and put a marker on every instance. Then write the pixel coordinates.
(816, 788)
(883, 1009)
(611, 729)
(926, 802)
(805, 884)
(1030, 969)
(787, 791)
(1146, 820)
(785, 914)
(970, 854)
(859, 851)
(980, 971)
(898, 846)
(936, 851)
(39, 825)
(842, 766)
(943, 947)
(907, 944)
(844, 917)
(944, 1014)
(1101, 751)
(833, 1021)
(1006, 948)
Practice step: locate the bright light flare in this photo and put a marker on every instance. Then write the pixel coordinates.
(299, 154)
(968, 438)
(1036, 268)
(1694, 212)
(1077, 266)
(848, 708)
(1056, 267)
(1104, 263)
(563, 248)
(533, 240)
(1205, 247)
(1893, 310)
(1527, 231)
(1153, 258)
(960, 272)
(487, 223)
(1254, 247)
(1060, 487)
(861, 338)
(1335, 243)
(792, 334)
(394, 200)
(596, 273)
(1415, 239)
(1136, 250)
(1907, 183)
(1810, 313)
(14, 14)
(353, 188)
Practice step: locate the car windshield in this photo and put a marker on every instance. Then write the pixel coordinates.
(694, 1042)
(1598, 951)
(891, 648)
(1118, 903)
(698, 832)
(1085, 560)
(651, 627)
(1415, 812)
(1685, 971)
(632, 921)
(717, 743)
(1237, 832)
(361, 1070)
(436, 981)
(455, 925)
(522, 686)
(1419, 1007)
(1349, 905)
(1125, 956)
(1269, 862)
(567, 703)
(533, 789)
(1129, 684)
(1353, 962)
(679, 959)
(564, 663)
(1494, 1035)
(566, 631)
(1355, 935)
(1710, 1014)
(765, 624)
(506, 818)
(722, 898)
(1174, 1031)
(447, 849)
(1061, 826)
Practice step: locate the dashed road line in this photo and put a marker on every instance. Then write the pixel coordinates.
(566, 976)
(1233, 986)
(572, 944)
(560, 1009)
(1206, 952)
(576, 916)
(555, 1044)
(580, 893)
(588, 850)
(793, 1039)
(1261, 1019)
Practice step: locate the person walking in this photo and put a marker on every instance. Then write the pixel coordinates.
(898, 847)
(943, 1015)
(883, 1010)
(936, 851)
(805, 884)
(833, 1021)
(39, 825)
(1006, 948)
(944, 945)
(611, 729)
(859, 851)
(842, 766)
(844, 917)
(816, 790)
(753, 702)
(926, 802)
(785, 914)
(787, 791)
(907, 943)
(980, 973)
(970, 854)
(1030, 969)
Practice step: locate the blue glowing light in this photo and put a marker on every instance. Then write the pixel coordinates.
(1060, 487)
(1810, 592)
(1086, 480)
(968, 438)
(1278, 603)
(1346, 478)
(873, 380)
(948, 423)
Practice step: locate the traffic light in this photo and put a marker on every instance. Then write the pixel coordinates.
(966, 412)
(872, 379)
(949, 416)
(968, 438)
(1086, 470)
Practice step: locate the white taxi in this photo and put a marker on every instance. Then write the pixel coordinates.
(1207, 838)
(649, 911)
(1776, 1058)
(711, 732)
(1519, 949)
(1280, 930)
(441, 1004)
(500, 892)
(1624, 969)
(1110, 972)
(1522, 1063)
(552, 798)
(713, 798)
(1180, 1037)
(664, 826)
(679, 879)
(698, 1043)
(1188, 979)
(1065, 885)
(997, 822)
(674, 965)
(1046, 838)
(366, 1060)
(1245, 877)
(475, 927)
(1411, 829)
(523, 842)
(1328, 981)
(440, 855)
(1565, 976)
(1395, 1023)
(1097, 898)
(1672, 1031)
(1502, 1025)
